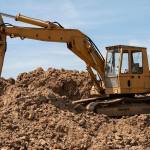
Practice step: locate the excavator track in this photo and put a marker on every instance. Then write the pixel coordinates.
(124, 106)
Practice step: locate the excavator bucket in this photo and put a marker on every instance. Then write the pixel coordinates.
(2, 44)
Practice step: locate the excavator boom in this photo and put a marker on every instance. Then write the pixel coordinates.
(76, 41)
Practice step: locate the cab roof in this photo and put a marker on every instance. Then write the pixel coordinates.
(124, 47)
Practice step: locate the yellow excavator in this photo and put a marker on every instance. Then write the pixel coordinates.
(121, 82)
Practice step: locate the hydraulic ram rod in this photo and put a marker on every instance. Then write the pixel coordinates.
(32, 21)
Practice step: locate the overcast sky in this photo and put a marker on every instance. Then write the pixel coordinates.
(107, 22)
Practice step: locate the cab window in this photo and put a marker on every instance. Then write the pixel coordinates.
(136, 62)
(125, 63)
(112, 64)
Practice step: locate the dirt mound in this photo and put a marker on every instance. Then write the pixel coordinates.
(36, 113)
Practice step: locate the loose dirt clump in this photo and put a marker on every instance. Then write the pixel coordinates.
(36, 113)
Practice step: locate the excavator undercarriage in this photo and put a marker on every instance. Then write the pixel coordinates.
(121, 81)
(123, 106)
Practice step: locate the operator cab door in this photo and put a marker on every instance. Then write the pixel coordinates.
(124, 76)
(111, 71)
(137, 77)
(131, 73)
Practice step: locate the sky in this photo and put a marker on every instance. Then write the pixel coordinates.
(106, 22)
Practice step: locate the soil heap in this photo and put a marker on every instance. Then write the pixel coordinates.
(36, 113)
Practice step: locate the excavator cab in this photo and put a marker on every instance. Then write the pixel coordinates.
(126, 70)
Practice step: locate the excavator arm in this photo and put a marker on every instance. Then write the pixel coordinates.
(76, 41)
(3, 46)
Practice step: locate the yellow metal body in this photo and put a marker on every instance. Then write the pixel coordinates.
(118, 82)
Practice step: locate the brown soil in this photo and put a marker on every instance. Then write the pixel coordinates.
(36, 113)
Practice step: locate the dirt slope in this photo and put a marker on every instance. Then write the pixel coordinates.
(36, 113)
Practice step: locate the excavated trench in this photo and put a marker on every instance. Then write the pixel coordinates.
(36, 113)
